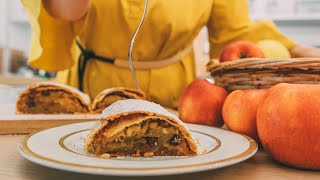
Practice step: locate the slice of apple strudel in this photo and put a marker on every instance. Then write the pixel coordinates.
(52, 98)
(140, 128)
(111, 95)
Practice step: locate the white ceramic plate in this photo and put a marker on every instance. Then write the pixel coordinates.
(63, 148)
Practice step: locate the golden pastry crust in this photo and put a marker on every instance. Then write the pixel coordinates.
(52, 98)
(150, 121)
(111, 95)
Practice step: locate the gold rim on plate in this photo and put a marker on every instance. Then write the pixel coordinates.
(251, 149)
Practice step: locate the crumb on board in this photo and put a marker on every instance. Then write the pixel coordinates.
(105, 155)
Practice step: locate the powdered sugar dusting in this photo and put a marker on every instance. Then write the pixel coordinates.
(131, 105)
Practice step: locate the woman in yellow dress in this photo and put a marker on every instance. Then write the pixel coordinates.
(103, 30)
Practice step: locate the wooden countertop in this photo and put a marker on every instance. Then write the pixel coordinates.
(260, 166)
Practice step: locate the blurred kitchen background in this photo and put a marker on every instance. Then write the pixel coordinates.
(299, 19)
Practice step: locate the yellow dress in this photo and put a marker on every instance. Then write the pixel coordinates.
(169, 27)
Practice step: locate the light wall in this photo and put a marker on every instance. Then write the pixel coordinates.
(303, 31)
(3, 18)
(15, 31)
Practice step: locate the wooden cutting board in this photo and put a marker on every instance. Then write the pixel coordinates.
(11, 123)
(24, 124)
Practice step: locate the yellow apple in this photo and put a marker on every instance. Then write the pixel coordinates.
(273, 49)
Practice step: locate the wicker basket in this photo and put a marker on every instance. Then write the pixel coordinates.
(253, 73)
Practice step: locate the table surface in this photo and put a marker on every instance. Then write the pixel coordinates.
(260, 166)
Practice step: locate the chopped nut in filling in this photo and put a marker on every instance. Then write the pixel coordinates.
(152, 137)
(51, 102)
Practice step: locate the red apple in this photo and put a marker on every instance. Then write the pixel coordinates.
(240, 109)
(288, 122)
(201, 103)
(239, 50)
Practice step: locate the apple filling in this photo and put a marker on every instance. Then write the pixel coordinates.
(151, 137)
(51, 102)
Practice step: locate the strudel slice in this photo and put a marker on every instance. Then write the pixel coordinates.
(111, 95)
(140, 128)
(52, 98)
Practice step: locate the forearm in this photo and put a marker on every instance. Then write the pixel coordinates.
(70, 10)
(300, 51)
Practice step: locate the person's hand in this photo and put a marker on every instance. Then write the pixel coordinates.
(70, 10)
(301, 51)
